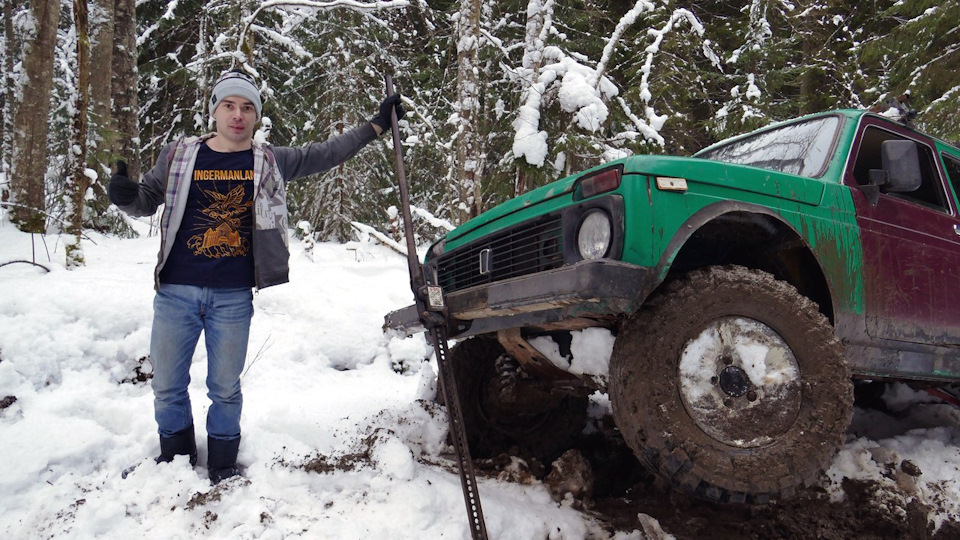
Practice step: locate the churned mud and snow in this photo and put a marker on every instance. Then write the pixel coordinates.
(341, 438)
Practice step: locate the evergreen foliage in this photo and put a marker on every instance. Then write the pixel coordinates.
(669, 76)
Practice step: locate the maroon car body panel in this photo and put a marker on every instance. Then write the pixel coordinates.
(911, 254)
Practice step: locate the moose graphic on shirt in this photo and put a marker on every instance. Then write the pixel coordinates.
(223, 238)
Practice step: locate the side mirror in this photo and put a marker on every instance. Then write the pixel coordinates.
(900, 173)
(901, 161)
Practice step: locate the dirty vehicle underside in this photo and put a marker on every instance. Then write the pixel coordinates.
(744, 290)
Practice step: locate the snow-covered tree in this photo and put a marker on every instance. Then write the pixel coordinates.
(915, 48)
(123, 85)
(526, 92)
(29, 152)
(8, 83)
(78, 180)
(469, 146)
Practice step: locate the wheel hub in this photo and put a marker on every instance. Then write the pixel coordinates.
(740, 382)
(734, 381)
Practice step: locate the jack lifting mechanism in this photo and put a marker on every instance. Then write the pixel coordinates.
(433, 315)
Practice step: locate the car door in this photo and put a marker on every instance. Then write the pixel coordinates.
(911, 245)
(951, 163)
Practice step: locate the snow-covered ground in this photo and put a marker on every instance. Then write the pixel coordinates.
(339, 437)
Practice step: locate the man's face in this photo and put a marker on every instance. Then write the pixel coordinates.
(235, 117)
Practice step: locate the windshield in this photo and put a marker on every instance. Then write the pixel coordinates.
(802, 148)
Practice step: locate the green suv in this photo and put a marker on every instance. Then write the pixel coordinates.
(745, 288)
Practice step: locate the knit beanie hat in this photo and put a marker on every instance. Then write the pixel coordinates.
(235, 83)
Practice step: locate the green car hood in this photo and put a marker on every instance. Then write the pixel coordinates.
(746, 179)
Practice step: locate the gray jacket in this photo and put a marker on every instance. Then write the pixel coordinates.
(168, 182)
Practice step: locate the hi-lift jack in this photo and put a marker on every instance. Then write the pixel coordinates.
(433, 315)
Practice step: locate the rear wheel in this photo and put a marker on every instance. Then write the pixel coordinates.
(732, 386)
(539, 423)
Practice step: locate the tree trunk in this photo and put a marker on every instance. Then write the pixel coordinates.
(468, 107)
(125, 104)
(78, 182)
(101, 61)
(539, 17)
(102, 128)
(29, 163)
(9, 84)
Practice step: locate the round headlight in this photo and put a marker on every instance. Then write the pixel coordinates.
(593, 238)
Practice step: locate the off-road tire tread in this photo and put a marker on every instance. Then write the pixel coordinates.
(647, 408)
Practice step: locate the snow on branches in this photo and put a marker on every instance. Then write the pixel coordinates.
(583, 90)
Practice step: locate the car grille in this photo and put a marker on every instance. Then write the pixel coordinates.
(530, 247)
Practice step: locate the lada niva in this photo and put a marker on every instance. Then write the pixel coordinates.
(745, 288)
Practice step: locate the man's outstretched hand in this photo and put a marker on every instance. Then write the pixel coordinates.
(121, 190)
(382, 119)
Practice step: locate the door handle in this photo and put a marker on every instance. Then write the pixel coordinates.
(956, 229)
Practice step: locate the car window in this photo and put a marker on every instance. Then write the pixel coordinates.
(952, 165)
(930, 193)
(802, 148)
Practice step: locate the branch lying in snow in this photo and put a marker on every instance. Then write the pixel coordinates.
(386, 240)
(263, 348)
(389, 242)
(26, 262)
(48, 215)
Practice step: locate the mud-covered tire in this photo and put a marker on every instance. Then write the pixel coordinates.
(493, 426)
(732, 386)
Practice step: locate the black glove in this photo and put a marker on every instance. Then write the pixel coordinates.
(382, 119)
(121, 190)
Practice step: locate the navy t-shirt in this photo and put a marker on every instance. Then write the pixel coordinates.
(213, 247)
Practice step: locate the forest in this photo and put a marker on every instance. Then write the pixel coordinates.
(502, 96)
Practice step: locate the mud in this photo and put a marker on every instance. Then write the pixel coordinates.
(623, 490)
(7, 401)
(611, 486)
(809, 515)
(139, 375)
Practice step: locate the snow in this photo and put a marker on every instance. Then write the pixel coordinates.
(340, 435)
(582, 92)
(322, 383)
(590, 351)
(752, 91)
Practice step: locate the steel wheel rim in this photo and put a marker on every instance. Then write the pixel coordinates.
(740, 382)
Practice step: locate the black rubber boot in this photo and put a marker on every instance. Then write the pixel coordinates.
(181, 443)
(222, 458)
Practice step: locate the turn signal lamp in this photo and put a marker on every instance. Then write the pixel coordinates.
(599, 182)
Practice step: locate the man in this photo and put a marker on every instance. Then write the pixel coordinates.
(223, 232)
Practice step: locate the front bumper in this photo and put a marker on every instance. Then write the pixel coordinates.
(587, 289)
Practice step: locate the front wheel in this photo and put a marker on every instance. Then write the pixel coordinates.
(732, 386)
(537, 422)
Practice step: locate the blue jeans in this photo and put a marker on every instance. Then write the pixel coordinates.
(180, 313)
